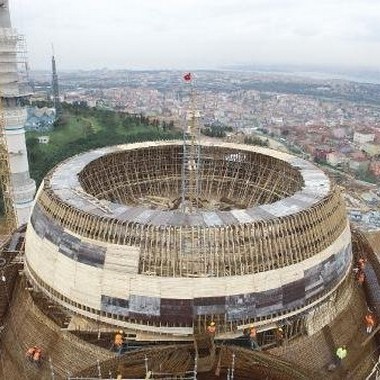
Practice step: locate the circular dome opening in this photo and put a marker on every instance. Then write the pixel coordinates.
(222, 178)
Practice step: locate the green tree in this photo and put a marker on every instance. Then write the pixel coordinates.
(113, 128)
(252, 140)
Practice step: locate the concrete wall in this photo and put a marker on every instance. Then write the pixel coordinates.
(105, 277)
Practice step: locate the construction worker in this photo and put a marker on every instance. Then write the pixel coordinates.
(30, 353)
(37, 356)
(341, 353)
(211, 328)
(360, 277)
(279, 333)
(253, 338)
(361, 263)
(369, 321)
(118, 341)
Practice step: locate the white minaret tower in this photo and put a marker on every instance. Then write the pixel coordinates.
(13, 114)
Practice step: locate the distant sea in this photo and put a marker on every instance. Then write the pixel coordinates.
(359, 75)
(362, 78)
(318, 73)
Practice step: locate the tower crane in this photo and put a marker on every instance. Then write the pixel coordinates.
(191, 155)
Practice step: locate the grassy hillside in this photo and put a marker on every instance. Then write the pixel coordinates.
(81, 128)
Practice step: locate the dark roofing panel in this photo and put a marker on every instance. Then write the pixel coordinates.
(293, 292)
(241, 306)
(91, 254)
(204, 301)
(177, 310)
(115, 305)
(38, 221)
(210, 310)
(144, 305)
(269, 297)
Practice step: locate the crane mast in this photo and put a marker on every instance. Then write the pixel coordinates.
(191, 155)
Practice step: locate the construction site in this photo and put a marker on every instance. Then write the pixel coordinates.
(114, 243)
(178, 260)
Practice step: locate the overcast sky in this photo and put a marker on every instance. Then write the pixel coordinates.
(189, 34)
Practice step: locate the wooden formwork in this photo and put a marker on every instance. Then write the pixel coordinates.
(244, 179)
(109, 240)
(26, 326)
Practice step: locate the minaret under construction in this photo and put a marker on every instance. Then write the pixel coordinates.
(55, 87)
(20, 188)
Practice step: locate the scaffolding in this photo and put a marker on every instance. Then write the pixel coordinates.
(13, 55)
(10, 217)
(149, 374)
(14, 70)
(375, 373)
(23, 69)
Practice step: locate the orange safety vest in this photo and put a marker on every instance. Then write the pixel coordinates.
(37, 355)
(279, 334)
(361, 277)
(253, 333)
(361, 263)
(369, 320)
(31, 351)
(118, 340)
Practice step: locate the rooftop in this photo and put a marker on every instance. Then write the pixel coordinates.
(65, 184)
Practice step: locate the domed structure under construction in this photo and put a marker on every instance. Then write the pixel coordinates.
(267, 239)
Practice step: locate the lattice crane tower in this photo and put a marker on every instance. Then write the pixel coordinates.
(18, 188)
(191, 154)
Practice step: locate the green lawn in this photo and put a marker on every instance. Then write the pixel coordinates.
(83, 129)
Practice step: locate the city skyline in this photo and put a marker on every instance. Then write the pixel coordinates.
(195, 34)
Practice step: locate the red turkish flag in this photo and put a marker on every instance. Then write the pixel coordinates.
(187, 77)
